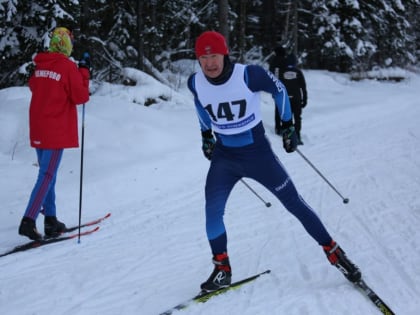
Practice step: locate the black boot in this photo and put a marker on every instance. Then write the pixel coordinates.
(338, 258)
(221, 276)
(299, 139)
(27, 228)
(53, 227)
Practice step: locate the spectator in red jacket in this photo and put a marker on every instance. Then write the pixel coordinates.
(57, 86)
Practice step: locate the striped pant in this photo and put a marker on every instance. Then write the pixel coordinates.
(43, 194)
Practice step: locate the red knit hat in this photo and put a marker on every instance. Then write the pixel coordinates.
(211, 42)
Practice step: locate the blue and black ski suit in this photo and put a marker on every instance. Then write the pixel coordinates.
(231, 110)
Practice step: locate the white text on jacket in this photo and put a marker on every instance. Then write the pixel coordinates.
(48, 74)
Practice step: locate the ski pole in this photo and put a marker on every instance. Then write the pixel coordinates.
(81, 169)
(345, 200)
(267, 204)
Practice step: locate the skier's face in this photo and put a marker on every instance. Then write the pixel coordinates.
(212, 65)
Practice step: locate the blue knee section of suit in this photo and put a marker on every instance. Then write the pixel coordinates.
(214, 217)
(295, 204)
(219, 244)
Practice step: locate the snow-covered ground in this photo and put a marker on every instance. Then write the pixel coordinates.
(145, 165)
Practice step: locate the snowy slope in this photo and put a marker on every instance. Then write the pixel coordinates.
(144, 164)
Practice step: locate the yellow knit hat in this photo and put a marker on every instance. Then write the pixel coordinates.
(61, 41)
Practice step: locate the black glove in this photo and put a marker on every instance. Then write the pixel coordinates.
(290, 139)
(304, 102)
(85, 61)
(208, 143)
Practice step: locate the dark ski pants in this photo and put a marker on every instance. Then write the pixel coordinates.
(297, 116)
(43, 193)
(256, 161)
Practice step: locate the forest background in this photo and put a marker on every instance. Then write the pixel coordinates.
(351, 36)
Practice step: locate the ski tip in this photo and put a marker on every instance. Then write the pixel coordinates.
(107, 215)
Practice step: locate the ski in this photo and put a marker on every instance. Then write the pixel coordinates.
(62, 237)
(371, 295)
(203, 297)
(93, 222)
(46, 241)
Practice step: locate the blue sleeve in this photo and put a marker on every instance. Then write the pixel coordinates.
(258, 79)
(203, 116)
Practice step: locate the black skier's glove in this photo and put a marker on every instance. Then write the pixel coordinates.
(290, 139)
(304, 102)
(208, 143)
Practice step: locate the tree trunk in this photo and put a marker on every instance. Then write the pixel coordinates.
(242, 27)
(295, 28)
(140, 40)
(223, 19)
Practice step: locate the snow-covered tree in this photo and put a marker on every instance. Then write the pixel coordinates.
(352, 35)
(341, 35)
(25, 26)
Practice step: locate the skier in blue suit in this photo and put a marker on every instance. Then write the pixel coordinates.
(227, 99)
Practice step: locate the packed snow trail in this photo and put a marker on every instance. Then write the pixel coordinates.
(144, 164)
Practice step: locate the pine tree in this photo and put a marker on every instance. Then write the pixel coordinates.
(26, 25)
(338, 35)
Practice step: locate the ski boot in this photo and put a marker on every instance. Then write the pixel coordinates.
(53, 227)
(221, 276)
(338, 258)
(27, 228)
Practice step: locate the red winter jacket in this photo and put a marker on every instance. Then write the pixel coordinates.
(57, 86)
